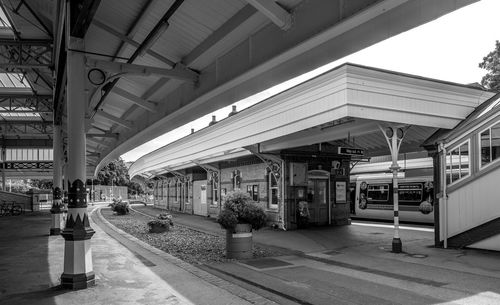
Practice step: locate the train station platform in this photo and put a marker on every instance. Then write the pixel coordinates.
(334, 265)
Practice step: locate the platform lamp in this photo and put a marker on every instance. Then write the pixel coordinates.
(394, 136)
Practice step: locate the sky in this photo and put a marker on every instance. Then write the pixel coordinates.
(449, 48)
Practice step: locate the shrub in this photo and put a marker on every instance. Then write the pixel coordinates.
(158, 225)
(119, 207)
(238, 208)
(167, 217)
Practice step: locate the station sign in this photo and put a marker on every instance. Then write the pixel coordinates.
(351, 151)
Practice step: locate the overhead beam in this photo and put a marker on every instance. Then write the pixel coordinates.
(26, 122)
(145, 45)
(91, 140)
(27, 42)
(229, 31)
(82, 12)
(102, 135)
(112, 118)
(131, 42)
(143, 103)
(274, 12)
(9, 66)
(25, 143)
(177, 72)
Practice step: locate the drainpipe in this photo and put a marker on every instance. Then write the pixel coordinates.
(282, 193)
(444, 195)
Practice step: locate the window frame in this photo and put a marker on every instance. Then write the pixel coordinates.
(449, 155)
(270, 188)
(215, 193)
(480, 166)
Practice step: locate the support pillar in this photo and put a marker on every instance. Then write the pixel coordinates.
(3, 168)
(78, 270)
(58, 208)
(394, 137)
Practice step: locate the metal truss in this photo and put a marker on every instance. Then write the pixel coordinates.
(25, 54)
(25, 128)
(28, 165)
(25, 103)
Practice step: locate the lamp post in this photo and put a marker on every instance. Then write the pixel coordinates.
(394, 136)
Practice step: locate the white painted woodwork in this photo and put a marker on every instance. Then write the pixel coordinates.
(347, 91)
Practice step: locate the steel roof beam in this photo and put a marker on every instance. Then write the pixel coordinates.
(82, 12)
(112, 118)
(26, 42)
(144, 46)
(227, 31)
(274, 12)
(131, 42)
(143, 103)
(118, 67)
(26, 143)
(102, 135)
(91, 140)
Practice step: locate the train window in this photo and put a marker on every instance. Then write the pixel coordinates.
(490, 144)
(410, 192)
(378, 192)
(458, 163)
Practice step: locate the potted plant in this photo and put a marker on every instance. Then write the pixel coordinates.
(239, 217)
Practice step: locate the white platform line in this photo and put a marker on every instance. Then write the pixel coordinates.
(392, 226)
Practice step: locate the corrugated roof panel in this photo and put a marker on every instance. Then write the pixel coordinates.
(116, 105)
(137, 85)
(171, 85)
(101, 42)
(120, 14)
(192, 24)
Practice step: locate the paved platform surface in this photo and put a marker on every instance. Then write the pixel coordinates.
(336, 265)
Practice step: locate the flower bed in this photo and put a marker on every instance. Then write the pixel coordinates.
(189, 245)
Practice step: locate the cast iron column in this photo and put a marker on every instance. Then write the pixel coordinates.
(78, 270)
(57, 204)
(394, 136)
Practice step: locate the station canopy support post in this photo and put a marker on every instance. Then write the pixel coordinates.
(394, 136)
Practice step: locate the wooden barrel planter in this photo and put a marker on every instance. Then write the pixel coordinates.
(239, 242)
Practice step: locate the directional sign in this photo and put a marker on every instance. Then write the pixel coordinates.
(351, 151)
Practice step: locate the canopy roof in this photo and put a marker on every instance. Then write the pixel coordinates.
(346, 106)
(155, 65)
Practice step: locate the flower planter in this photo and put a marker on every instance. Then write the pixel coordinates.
(239, 242)
(158, 227)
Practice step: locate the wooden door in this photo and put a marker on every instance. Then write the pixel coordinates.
(317, 198)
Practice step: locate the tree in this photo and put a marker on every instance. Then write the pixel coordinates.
(115, 173)
(42, 183)
(491, 63)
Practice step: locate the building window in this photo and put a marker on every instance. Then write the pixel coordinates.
(253, 191)
(215, 192)
(177, 191)
(457, 163)
(188, 192)
(272, 183)
(236, 177)
(490, 144)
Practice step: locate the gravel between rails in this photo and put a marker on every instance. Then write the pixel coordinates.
(189, 245)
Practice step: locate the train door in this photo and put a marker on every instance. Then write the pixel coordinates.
(200, 198)
(317, 197)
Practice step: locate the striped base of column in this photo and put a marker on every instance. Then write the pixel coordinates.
(78, 281)
(397, 246)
